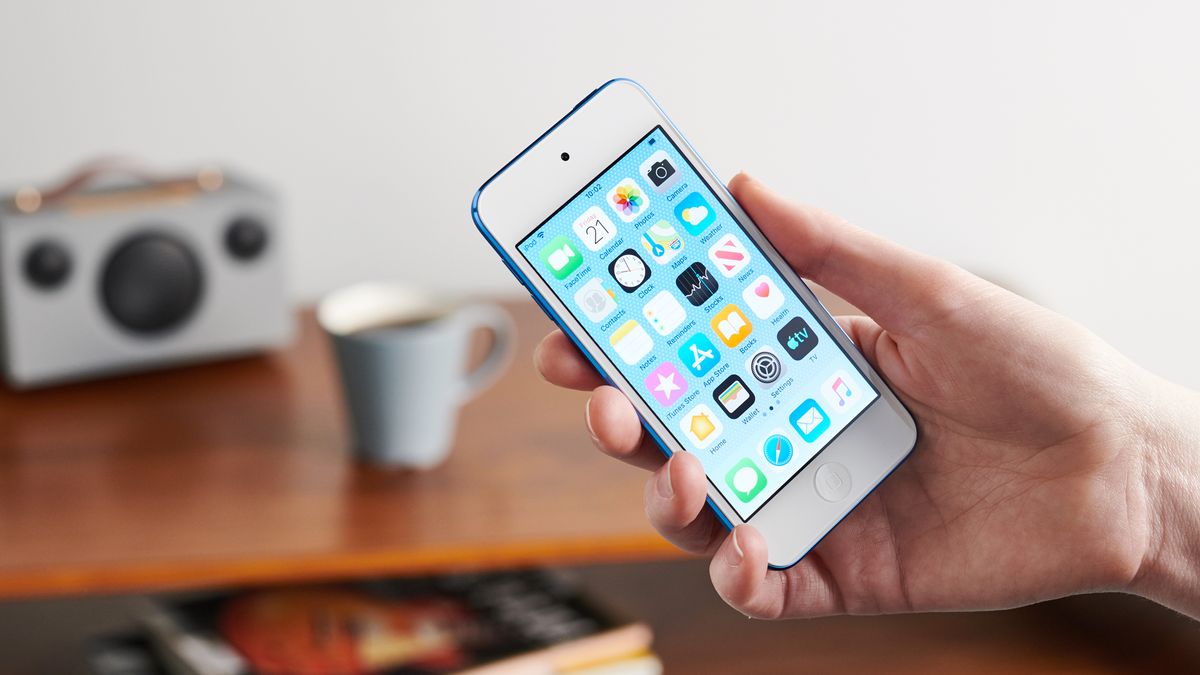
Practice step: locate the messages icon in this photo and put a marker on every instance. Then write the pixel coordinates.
(746, 480)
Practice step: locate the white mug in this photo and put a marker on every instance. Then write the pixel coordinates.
(402, 357)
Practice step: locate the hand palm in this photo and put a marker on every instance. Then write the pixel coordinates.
(1014, 492)
(994, 506)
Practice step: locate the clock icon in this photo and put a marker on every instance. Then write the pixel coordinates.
(777, 449)
(629, 270)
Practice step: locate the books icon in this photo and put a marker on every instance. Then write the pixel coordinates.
(731, 325)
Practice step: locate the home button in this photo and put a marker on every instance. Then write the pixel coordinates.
(832, 481)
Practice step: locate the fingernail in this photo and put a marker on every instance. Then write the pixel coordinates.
(737, 548)
(663, 484)
(587, 420)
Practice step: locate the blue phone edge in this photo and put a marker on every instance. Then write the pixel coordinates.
(554, 317)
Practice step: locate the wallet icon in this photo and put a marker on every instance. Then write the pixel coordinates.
(809, 421)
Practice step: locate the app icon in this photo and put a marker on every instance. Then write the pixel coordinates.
(629, 270)
(733, 396)
(763, 297)
(838, 391)
(809, 420)
(746, 480)
(666, 383)
(699, 355)
(595, 300)
(627, 200)
(701, 426)
(561, 257)
(660, 171)
(696, 283)
(729, 255)
(662, 242)
(778, 449)
(664, 313)
(765, 366)
(731, 326)
(797, 338)
(594, 228)
(631, 342)
(695, 213)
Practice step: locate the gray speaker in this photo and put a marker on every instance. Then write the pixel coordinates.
(139, 274)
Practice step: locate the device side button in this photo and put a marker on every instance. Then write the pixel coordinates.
(542, 305)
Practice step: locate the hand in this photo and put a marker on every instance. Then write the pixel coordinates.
(1030, 478)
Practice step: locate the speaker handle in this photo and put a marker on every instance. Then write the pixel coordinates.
(29, 199)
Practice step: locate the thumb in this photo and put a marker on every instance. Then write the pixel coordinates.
(896, 286)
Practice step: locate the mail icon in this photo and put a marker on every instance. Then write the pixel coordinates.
(809, 420)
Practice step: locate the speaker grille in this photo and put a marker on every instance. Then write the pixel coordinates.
(151, 283)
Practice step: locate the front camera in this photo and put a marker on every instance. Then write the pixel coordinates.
(565, 156)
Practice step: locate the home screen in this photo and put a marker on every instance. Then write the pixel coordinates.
(686, 306)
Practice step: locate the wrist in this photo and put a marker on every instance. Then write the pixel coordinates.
(1170, 570)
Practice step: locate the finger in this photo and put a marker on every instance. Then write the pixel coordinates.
(879, 347)
(896, 286)
(617, 431)
(675, 497)
(740, 574)
(561, 363)
(863, 331)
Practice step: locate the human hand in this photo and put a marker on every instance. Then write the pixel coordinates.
(1030, 479)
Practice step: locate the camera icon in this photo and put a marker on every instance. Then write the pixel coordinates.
(660, 171)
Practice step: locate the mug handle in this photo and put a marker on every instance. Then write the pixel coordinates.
(504, 339)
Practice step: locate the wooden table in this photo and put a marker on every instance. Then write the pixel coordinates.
(241, 472)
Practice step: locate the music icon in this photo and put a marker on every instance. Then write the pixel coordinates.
(841, 391)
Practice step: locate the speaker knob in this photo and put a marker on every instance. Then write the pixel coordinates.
(150, 283)
(245, 238)
(47, 264)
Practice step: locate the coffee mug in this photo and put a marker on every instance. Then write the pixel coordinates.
(402, 355)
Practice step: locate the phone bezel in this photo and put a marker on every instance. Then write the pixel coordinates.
(537, 182)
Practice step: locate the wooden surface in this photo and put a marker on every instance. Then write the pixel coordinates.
(240, 472)
(695, 633)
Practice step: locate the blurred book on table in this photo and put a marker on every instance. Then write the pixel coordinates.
(494, 624)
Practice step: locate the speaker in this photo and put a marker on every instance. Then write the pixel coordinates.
(140, 274)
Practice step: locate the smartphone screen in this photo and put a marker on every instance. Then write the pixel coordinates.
(685, 306)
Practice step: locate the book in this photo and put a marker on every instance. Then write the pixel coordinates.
(482, 624)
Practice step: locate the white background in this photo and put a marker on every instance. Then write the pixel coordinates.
(1053, 146)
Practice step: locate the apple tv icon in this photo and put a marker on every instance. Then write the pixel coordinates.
(797, 338)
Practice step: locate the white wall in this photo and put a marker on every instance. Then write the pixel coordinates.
(1053, 145)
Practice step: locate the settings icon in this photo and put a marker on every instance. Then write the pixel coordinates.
(765, 366)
